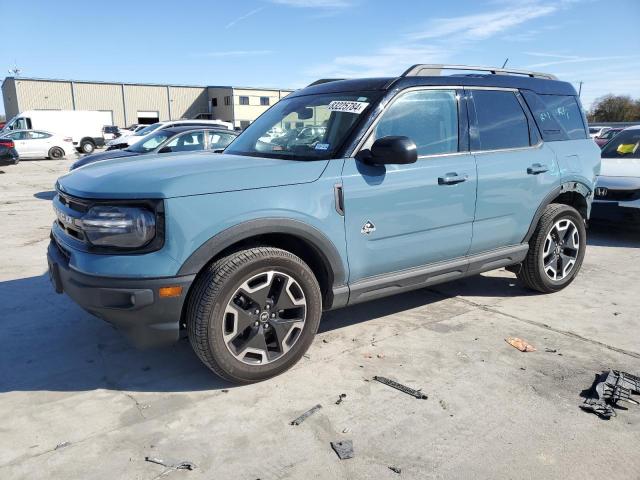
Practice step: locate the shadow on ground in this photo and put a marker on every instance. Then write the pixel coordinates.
(46, 195)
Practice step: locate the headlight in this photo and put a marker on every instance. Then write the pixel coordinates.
(121, 227)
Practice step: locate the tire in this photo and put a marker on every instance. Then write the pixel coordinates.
(56, 153)
(224, 322)
(87, 146)
(549, 265)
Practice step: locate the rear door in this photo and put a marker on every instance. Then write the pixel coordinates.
(39, 143)
(516, 170)
(404, 216)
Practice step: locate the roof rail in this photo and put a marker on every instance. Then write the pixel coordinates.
(435, 70)
(324, 80)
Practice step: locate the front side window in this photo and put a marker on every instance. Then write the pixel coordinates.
(625, 144)
(187, 142)
(500, 121)
(322, 122)
(151, 143)
(428, 117)
(17, 136)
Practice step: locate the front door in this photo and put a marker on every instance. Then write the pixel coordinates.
(403, 216)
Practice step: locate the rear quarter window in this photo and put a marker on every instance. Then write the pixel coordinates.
(559, 117)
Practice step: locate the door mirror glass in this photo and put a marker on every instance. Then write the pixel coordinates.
(392, 150)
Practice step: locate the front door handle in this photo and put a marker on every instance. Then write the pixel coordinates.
(537, 168)
(452, 178)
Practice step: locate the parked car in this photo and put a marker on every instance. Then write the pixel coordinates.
(418, 179)
(8, 153)
(82, 126)
(39, 144)
(109, 132)
(2, 124)
(596, 131)
(124, 142)
(603, 138)
(168, 140)
(617, 193)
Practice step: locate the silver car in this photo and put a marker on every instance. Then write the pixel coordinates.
(617, 192)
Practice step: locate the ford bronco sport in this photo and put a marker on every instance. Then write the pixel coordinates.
(415, 180)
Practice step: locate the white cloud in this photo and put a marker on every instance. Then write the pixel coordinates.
(483, 25)
(565, 59)
(314, 3)
(243, 17)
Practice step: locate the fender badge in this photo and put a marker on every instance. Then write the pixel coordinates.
(368, 228)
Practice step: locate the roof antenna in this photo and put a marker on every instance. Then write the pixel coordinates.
(505, 63)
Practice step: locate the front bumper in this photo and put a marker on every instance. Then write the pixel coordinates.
(132, 305)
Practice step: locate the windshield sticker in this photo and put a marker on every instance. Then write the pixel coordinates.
(347, 106)
(322, 146)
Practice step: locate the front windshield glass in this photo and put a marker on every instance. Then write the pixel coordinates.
(149, 144)
(147, 130)
(310, 127)
(624, 145)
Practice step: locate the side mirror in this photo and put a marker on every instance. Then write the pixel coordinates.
(392, 150)
(165, 150)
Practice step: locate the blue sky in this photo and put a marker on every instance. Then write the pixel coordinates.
(289, 43)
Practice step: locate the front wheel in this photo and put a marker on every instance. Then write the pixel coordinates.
(87, 146)
(556, 250)
(253, 314)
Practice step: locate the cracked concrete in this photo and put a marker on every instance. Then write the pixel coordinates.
(493, 412)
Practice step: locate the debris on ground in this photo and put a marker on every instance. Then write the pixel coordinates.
(397, 470)
(409, 391)
(305, 415)
(324, 340)
(520, 344)
(346, 430)
(443, 404)
(344, 449)
(380, 355)
(341, 397)
(184, 465)
(607, 390)
(550, 350)
(62, 445)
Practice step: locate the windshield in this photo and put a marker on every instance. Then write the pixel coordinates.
(147, 130)
(148, 144)
(624, 145)
(609, 134)
(310, 127)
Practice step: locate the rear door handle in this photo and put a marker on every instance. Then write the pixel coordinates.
(452, 178)
(537, 168)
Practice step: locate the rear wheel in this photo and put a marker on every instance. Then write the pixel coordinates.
(253, 314)
(56, 153)
(87, 146)
(556, 250)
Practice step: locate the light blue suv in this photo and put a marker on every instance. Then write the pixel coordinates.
(409, 181)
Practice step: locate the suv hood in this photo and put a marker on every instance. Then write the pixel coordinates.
(181, 175)
(620, 167)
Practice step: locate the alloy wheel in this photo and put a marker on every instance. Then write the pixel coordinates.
(264, 318)
(561, 248)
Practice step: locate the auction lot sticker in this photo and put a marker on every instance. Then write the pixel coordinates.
(347, 106)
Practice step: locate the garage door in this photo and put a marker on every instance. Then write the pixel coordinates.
(147, 118)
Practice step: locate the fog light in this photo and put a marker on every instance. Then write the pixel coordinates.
(166, 292)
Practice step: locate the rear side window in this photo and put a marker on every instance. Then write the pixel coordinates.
(428, 117)
(558, 117)
(500, 121)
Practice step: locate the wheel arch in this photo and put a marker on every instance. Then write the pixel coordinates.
(86, 139)
(573, 194)
(297, 237)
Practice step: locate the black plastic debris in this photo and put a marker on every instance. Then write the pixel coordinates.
(344, 449)
(397, 470)
(409, 391)
(62, 445)
(607, 390)
(184, 465)
(341, 397)
(305, 415)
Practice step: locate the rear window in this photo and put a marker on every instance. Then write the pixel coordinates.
(624, 145)
(559, 117)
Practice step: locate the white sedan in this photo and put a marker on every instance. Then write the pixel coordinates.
(40, 144)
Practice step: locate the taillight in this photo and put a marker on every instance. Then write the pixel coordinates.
(7, 143)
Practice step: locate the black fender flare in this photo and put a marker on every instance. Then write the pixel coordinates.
(574, 186)
(322, 245)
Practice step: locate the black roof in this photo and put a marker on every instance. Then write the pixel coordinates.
(538, 85)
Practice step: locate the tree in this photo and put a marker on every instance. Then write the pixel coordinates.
(615, 108)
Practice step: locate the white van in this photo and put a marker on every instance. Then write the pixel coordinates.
(83, 126)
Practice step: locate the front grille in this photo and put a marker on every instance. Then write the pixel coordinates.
(73, 203)
(75, 207)
(618, 195)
